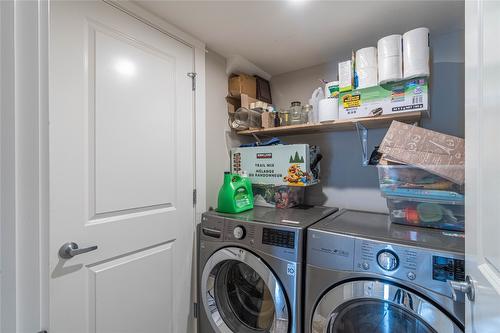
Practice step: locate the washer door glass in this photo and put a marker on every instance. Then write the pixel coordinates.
(376, 317)
(243, 297)
(378, 307)
(241, 294)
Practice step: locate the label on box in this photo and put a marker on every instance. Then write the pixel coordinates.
(391, 98)
(276, 165)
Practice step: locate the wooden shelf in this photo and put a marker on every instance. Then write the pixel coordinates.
(335, 126)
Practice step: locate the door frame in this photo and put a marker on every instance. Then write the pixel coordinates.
(24, 158)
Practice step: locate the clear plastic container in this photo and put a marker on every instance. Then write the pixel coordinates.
(447, 215)
(394, 178)
(278, 196)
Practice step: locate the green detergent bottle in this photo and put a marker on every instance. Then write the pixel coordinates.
(235, 195)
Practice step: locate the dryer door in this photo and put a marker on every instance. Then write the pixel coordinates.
(378, 307)
(241, 294)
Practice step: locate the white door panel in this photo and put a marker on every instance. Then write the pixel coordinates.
(482, 77)
(134, 145)
(143, 284)
(121, 173)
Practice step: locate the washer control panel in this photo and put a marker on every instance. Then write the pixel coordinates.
(280, 241)
(239, 232)
(429, 269)
(278, 237)
(387, 260)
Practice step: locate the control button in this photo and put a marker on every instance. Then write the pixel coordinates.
(239, 232)
(365, 265)
(411, 276)
(387, 260)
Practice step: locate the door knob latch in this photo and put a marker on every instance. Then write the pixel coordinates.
(70, 249)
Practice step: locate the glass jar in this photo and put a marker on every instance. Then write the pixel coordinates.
(306, 113)
(284, 117)
(296, 114)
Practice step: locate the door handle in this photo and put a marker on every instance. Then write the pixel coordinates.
(466, 287)
(70, 249)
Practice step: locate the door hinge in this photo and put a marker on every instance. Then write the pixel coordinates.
(195, 310)
(194, 197)
(192, 75)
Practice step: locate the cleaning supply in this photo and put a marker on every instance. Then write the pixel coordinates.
(235, 195)
(317, 96)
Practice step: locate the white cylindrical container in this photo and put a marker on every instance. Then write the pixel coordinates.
(328, 109)
(366, 67)
(416, 53)
(390, 59)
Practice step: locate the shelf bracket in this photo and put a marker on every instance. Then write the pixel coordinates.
(256, 138)
(363, 139)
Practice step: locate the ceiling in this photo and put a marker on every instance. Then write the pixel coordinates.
(283, 36)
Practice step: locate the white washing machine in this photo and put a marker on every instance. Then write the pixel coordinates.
(251, 270)
(364, 274)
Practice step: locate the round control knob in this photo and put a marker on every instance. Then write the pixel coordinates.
(411, 276)
(365, 265)
(239, 232)
(387, 260)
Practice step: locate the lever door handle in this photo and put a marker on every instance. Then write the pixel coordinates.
(70, 249)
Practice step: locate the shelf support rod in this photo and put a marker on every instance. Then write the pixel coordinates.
(363, 139)
(256, 138)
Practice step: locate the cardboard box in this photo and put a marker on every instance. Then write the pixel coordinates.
(244, 101)
(346, 75)
(437, 153)
(396, 97)
(267, 119)
(242, 84)
(277, 165)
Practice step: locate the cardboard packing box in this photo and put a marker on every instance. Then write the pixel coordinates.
(395, 97)
(243, 84)
(277, 165)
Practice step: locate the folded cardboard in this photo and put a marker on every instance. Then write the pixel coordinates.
(277, 165)
(396, 97)
(244, 101)
(243, 84)
(438, 153)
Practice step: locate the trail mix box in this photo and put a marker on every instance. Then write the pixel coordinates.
(395, 97)
(291, 165)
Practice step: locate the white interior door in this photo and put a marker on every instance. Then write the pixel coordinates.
(121, 173)
(482, 77)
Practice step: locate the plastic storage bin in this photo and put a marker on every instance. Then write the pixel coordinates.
(278, 196)
(403, 177)
(440, 214)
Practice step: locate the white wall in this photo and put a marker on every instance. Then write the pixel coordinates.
(345, 183)
(216, 124)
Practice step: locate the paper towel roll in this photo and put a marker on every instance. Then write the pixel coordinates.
(390, 59)
(367, 77)
(416, 53)
(328, 109)
(366, 57)
(366, 67)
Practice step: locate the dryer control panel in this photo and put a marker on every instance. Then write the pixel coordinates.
(426, 268)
